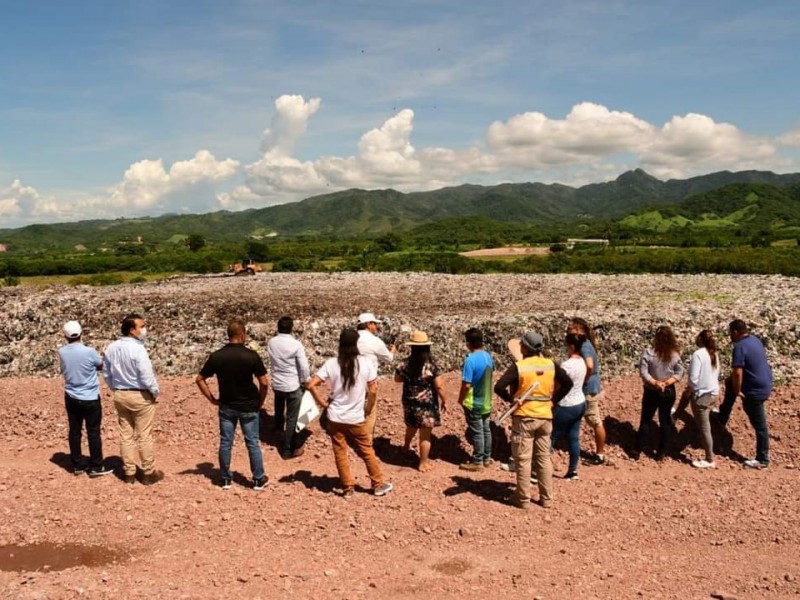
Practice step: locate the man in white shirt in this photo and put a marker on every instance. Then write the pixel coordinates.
(290, 372)
(373, 348)
(129, 374)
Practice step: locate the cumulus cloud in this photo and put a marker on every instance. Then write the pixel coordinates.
(694, 143)
(24, 202)
(288, 125)
(591, 143)
(790, 139)
(147, 183)
(590, 139)
(386, 158)
(684, 146)
(147, 187)
(589, 131)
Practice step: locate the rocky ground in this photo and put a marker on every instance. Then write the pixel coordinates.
(631, 529)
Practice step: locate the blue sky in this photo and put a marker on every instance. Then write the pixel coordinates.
(114, 109)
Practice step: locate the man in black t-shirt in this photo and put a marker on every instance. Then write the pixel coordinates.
(235, 367)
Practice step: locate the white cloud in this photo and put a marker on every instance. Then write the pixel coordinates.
(146, 188)
(591, 143)
(288, 125)
(146, 184)
(790, 139)
(20, 201)
(695, 144)
(589, 131)
(386, 158)
(685, 146)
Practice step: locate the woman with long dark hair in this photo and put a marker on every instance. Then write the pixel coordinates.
(353, 383)
(423, 396)
(704, 391)
(569, 410)
(660, 369)
(592, 387)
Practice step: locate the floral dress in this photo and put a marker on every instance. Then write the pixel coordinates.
(420, 400)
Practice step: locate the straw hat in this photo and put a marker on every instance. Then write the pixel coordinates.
(418, 338)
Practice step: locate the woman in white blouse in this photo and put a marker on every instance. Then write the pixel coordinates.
(704, 390)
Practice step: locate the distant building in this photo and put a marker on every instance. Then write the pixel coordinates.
(3, 248)
(589, 241)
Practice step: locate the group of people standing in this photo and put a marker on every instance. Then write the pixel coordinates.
(661, 368)
(549, 399)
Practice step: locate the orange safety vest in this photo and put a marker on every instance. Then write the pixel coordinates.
(531, 370)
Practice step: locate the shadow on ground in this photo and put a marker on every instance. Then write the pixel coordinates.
(63, 461)
(212, 473)
(322, 483)
(488, 489)
(392, 454)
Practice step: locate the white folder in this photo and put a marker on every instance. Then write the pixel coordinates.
(309, 412)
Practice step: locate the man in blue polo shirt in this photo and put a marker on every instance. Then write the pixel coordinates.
(475, 397)
(751, 380)
(79, 365)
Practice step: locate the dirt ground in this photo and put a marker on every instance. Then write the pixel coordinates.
(626, 530)
(507, 251)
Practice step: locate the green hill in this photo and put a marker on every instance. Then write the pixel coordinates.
(748, 208)
(656, 206)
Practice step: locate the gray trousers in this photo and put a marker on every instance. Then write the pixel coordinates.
(701, 408)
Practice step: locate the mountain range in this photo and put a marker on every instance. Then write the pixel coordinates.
(634, 200)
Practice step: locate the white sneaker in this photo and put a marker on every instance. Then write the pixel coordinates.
(754, 464)
(509, 466)
(383, 489)
(703, 464)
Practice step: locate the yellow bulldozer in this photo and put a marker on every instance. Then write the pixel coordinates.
(247, 266)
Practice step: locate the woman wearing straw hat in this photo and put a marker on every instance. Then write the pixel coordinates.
(423, 395)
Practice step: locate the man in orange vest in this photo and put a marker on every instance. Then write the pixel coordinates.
(532, 422)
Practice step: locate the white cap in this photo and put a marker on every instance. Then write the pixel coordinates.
(72, 330)
(365, 318)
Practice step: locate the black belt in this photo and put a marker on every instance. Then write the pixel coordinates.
(130, 390)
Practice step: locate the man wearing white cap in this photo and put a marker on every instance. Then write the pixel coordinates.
(373, 348)
(79, 366)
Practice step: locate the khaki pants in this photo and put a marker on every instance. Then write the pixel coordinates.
(361, 439)
(136, 412)
(371, 419)
(530, 442)
(592, 414)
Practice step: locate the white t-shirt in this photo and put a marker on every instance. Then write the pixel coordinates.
(347, 406)
(703, 378)
(576, 369)
(372, 348)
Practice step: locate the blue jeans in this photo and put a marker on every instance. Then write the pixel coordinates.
(227, 427)
(755, 411)
(479, 434)
(567, 423)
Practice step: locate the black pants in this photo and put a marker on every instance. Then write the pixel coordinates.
(90, 412)
(288, 402)
(656, 401)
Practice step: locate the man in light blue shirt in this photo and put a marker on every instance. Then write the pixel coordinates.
(129, 374)
(79, 366)
(289, 369)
